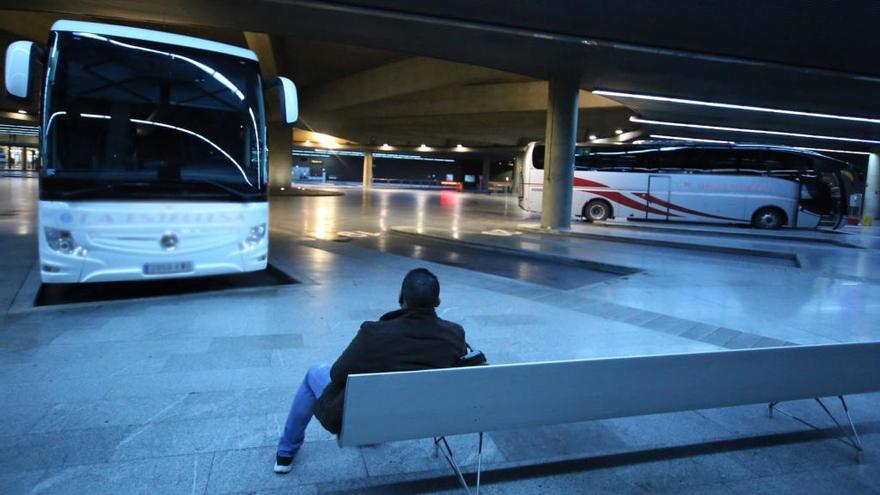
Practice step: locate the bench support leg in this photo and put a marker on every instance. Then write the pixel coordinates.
(447, 453)
(479, 461)
(852, 435)
(442, 445)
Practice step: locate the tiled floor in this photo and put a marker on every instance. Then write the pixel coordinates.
(187, 394)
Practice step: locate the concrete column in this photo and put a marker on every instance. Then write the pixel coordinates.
(872, 188)
(560, 138)
(368, 169)
(280, 158)
(487, 172)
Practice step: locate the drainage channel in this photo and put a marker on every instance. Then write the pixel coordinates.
(781, 258)
(551, 271)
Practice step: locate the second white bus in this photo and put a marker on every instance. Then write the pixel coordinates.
(766, 186)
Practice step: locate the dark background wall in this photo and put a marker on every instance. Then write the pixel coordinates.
(350, 168)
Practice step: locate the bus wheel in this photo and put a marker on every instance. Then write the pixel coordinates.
(768, 218)
(597, 210)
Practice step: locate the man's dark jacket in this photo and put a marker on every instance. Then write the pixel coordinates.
(403, 340)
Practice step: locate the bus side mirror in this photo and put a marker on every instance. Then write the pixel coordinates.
(289, 102)
(20, 56)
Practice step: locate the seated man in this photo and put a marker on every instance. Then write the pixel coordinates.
(411, 338)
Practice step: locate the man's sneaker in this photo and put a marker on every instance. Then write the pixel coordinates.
(283, 465)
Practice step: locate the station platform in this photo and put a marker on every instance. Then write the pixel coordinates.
(187, 393)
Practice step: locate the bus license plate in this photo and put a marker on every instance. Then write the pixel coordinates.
(167, 268)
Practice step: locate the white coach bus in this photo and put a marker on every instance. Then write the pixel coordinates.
(153, 151)
(766, 186)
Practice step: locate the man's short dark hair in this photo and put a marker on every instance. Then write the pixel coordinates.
(420, 289)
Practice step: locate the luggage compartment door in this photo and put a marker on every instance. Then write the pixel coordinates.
(657, 200)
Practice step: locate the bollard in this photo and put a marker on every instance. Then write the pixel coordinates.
(867, 221)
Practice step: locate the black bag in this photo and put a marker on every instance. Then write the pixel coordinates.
(472, 358)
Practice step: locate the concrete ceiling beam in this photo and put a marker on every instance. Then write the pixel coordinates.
(270, 52)
(412, 75)
(476, 98)
(508, 128)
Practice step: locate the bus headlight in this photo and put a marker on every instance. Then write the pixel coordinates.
(255, 236)
(60, 240)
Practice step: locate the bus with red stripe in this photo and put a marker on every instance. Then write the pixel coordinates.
(768, 187)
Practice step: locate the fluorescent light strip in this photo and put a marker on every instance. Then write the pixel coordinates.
(751, 131)
(677, 138)
(94, 116)
(699, 140)
(833, 151)
(732, 106)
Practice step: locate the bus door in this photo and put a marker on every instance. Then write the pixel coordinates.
(657, 201)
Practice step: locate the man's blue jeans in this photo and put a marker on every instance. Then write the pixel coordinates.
(302, 409)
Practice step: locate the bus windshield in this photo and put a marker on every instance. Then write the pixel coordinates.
(132, 119)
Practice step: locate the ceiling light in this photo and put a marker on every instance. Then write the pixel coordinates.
(592, 137)
(459, 146)
(22, 111)
(752, 131)
(308, 142)
(618, 131)
(326, 141)
(732, 106)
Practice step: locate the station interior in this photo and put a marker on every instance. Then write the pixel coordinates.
(447, 136)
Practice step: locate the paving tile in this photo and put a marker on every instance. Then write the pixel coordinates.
(640, 317)
(698, 331)
(866, 473)
(191, 436)
(94, 414)
(585, 439)
(288, 490)
(218, 360)
(661, 430)
(795, 457)
(819, 482)
(15, 482)
(166, 475)
(594, 481)
(768, 342)
(721, 336)
(683, 473)
(265, 342)
(743, 341)
(74, 447)
(419, 455)
(710, 489)
(670, 325)
(316, 462)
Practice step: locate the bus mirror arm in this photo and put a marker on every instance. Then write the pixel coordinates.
(19, 69)
(288, 99)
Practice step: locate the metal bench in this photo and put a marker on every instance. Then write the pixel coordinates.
(384, 407)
